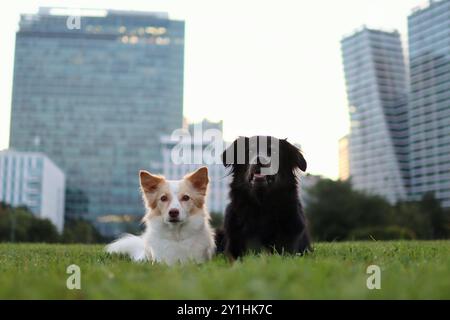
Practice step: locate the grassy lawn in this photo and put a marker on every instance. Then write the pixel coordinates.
(335, 270)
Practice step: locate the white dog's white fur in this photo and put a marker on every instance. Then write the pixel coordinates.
(177, 222)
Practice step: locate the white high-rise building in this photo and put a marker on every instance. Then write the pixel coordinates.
(31, 179)
(377, 97)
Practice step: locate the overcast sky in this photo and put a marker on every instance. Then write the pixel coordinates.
(264, 67)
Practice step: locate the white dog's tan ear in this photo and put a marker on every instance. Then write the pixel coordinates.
(199, 179)
(149, 182)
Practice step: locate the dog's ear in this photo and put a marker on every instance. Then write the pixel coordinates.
(300, 161)
(149, 182)
(199, 179)
(230, 155)
(295, 155)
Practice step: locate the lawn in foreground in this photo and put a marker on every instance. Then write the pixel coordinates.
(335, 270)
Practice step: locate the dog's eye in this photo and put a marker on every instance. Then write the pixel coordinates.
(185, 198)
(164, 198)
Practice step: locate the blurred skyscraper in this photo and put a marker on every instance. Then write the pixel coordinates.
(204, 146)
(205, 125)
(96, 99)
(377, 97)
(429, 107)
(344, 163)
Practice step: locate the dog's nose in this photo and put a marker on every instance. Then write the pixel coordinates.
(174, 213)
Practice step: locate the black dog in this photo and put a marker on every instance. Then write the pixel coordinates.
(265, 212)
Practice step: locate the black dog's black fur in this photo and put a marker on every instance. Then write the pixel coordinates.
(265, 213)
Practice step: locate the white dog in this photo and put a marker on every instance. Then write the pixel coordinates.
(177, 222)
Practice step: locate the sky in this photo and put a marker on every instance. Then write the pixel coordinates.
(270, 67)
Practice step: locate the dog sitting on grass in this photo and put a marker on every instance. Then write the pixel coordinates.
(265, 212)
(177, 222)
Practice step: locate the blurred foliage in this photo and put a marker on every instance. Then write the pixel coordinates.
(80, 231)
(337, 212)
(20, 225)
(382, 232)
(216, 220)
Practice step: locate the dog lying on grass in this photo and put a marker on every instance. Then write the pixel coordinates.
(177, 222)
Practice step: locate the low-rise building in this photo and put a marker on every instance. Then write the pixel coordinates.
(31, 179)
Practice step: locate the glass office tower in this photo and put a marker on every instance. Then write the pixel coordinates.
(377, 96)
(96, 97)
(429, 113)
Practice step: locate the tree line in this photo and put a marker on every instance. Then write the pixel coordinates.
(18, 224)
(337, 212)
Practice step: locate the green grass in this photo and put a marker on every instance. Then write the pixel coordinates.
(335, 270)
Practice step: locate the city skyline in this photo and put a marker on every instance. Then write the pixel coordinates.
(399, 142)
(290, 76)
